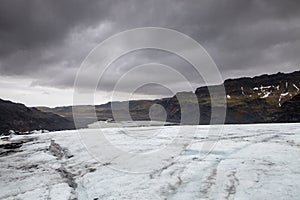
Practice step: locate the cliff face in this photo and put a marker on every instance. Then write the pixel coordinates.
(261, 99)
(290, 110)
(18, 117)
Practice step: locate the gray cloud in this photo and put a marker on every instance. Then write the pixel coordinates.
(47, 40)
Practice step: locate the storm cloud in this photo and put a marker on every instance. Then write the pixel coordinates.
(46, 41)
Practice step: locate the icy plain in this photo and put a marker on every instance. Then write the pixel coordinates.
(259, 161)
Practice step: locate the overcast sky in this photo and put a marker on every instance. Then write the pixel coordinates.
(43, 43)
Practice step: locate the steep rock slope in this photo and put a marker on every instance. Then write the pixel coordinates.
(290, 110)
(18, 117)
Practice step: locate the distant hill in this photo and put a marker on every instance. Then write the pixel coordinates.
(261, 99)
(18, 117)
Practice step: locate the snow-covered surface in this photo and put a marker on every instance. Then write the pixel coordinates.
(108, 124)
(248, 162)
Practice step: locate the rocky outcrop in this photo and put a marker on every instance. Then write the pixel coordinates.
(290, 110)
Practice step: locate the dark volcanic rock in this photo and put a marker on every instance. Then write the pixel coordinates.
(18, 117)
(290, 110)
(10, 147)
(259, 99)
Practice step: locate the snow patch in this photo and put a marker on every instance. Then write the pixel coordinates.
(278, 87)
(281, 96)
(266, 95)
(265, 87)
(296, 87)
(243, 93)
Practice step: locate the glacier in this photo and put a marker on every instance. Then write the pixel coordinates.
(257, 161)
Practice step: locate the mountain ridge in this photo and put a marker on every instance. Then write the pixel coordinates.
(19, 118)
(249, 100)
